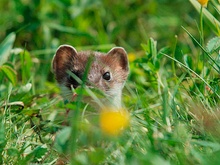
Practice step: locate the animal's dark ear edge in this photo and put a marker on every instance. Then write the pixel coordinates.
(120, 55)
(62, 56)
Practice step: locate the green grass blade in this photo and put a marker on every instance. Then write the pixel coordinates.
(6, 47)
(193, 73)
(206, 52)
(9, 73)
(70, 30)
(208, 17)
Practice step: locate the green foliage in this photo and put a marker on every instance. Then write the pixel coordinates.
(213, 45)
(172, 94)
(7, 70)
(209, 18)
(9, 73)
(6, 47)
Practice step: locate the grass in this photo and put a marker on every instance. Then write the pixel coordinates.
(172, 93)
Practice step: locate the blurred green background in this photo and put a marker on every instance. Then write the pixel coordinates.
(173, 82)
(45, 24)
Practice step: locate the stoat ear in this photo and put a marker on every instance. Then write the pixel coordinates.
(119, 55)
(63, 56)
(62, 61)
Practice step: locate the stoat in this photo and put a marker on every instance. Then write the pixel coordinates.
(104, 71)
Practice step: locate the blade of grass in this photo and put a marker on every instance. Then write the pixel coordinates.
(76, 117)
(6, 47)
(209, 18)
(67, 29)
(10, 73)
(88, 90)
(173, 55)
(192, 72)
(206, 52)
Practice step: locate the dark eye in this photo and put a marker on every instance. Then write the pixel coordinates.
(106, 76)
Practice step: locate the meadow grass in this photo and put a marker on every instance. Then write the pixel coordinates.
(172, 93)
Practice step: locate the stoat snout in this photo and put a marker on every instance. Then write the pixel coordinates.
(104, 71)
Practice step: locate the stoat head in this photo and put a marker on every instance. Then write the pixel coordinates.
(107, 72)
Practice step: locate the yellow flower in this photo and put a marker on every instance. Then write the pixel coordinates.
(203, 2)
(113, 121)
(131, 57)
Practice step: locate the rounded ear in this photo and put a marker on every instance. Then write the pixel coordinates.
(119, 55)
(63, 57)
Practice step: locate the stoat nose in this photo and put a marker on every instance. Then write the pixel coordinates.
(93, 81)
(93, 78)
(90, 77)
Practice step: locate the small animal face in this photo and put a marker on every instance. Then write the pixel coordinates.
(106, 72)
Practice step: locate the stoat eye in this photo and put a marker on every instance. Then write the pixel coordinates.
(107, 76)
